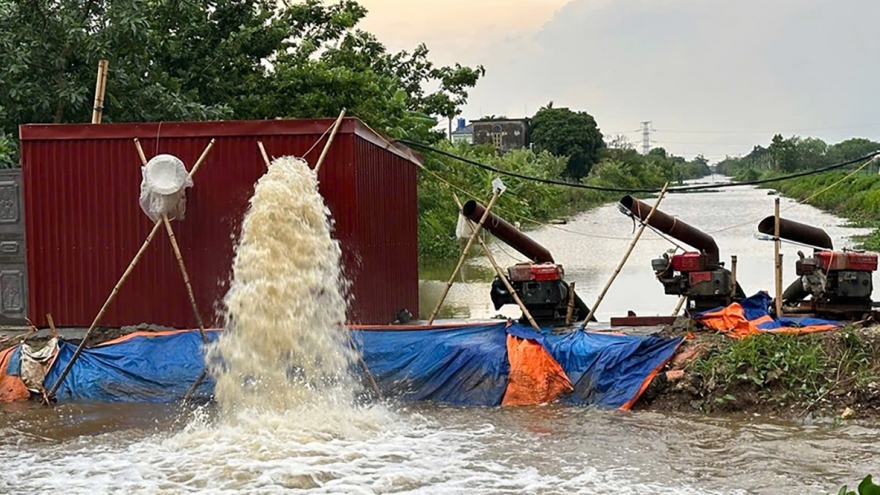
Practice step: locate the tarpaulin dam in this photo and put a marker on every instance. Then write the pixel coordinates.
(293, 391)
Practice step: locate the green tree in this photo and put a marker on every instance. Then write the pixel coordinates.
(215, 59)
(564, 132)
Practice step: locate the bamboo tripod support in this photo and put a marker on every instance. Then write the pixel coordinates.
(264, 154)
(122, 279)
(348, 336)
(463, 257)
(176, 248)
(329, 141)
(629, 251)
(678, 306)
(500, 273)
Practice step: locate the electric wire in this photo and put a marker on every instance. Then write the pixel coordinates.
(634, 190)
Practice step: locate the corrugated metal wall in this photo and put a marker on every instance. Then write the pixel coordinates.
(84, 225)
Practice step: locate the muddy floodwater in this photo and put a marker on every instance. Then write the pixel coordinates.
(425, 448)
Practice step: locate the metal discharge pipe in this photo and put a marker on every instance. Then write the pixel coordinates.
(672, 226)
(507, 233)
(797, 232)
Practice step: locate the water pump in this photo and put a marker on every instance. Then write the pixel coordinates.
(539, 284)
(698, 275)
(837, 282)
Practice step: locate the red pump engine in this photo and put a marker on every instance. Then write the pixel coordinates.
(707, 285)
(836, 280)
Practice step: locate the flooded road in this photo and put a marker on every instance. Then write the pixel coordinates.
(424, 448)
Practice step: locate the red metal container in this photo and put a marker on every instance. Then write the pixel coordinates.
(689, 262)
(848, 260)
(84, 225)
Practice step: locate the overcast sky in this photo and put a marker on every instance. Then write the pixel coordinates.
(714, 76)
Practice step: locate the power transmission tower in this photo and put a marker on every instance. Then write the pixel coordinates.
(646, 137)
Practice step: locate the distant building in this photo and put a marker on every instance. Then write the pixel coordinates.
(463, 133)
(504, 134)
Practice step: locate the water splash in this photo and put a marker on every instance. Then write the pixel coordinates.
(285, 345)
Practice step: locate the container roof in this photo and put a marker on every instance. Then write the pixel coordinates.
(222, 128)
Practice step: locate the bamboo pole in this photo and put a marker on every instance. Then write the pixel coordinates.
(678, 306)
(189, 290)
(363, 363)
(128, 270)
(183, 272)
(778, 260)
(52, 325)
(570, 313)
(509, 287)
(263, 152)
(464, 254)
(329, 141)
(113, 293)
(100, 87)
(733, 277)
(176, 248)
(629, 251)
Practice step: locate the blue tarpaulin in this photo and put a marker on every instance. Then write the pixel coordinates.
(609, 370)
(141, 367)
(469, 365)
(457, 365)
(462, 365)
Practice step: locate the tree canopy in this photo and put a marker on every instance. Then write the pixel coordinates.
(564, 132)
(215, 59)
(786, 155)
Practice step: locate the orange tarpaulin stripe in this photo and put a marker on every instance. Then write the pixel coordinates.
(11, 387)
(730, 321)
(141, 333)
(535, 377)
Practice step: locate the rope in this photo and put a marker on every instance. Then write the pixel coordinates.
(854, 172)
(635, 190)
(805, 200)
(318, 141)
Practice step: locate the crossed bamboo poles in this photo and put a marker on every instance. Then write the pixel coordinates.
(137, 257)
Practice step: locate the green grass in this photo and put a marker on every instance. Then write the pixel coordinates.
(856, 198)
(790, 369)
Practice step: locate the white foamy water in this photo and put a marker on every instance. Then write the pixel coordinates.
(482, 451)
(284, 346)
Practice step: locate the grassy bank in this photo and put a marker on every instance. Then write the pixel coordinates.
(856, 198)
(524, 201)
(789, 376)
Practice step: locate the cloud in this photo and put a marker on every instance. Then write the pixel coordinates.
(455, 30)
(730, 72)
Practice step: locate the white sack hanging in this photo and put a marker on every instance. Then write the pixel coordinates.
(464, 229)
(163, 187)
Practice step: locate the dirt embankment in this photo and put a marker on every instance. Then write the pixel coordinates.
(833, 374)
